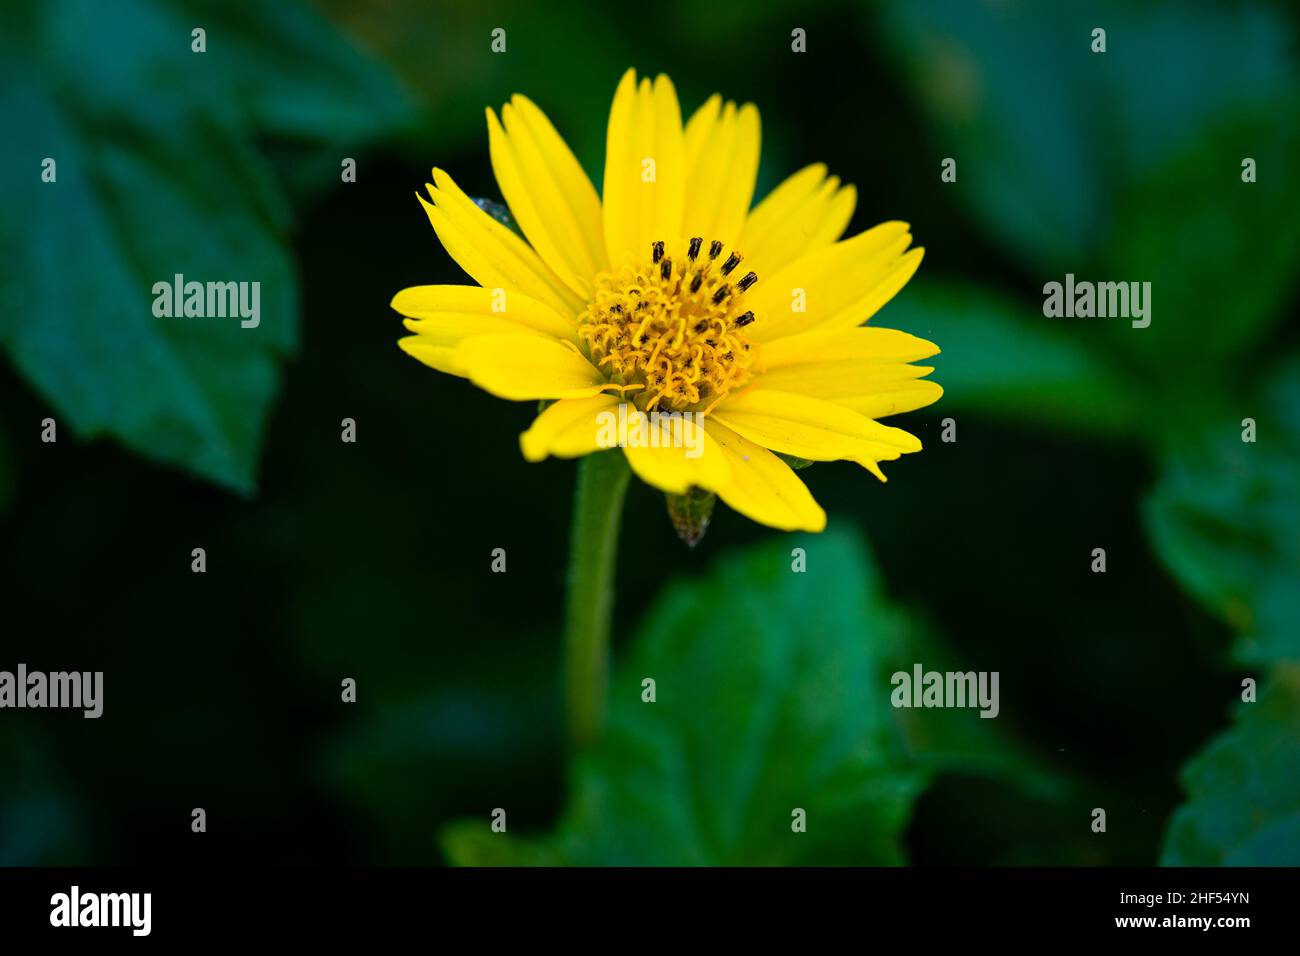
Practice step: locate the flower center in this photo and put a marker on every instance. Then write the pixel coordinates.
(669, 330)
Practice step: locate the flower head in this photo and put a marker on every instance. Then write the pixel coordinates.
(729, 336)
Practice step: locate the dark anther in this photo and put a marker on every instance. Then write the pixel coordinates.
(658, 248)
(745, 283)
(694, 250)
(616, 308)
(722, 293)
(744, 320)
(701, 325)
(666, 268)
(697, 282)
(715, 249)
(733, 260)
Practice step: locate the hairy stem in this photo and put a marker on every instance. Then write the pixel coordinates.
(593, 554)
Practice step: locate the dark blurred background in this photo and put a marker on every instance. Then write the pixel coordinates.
(370, 561)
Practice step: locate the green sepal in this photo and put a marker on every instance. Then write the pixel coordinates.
(690, 514)
(798, 464)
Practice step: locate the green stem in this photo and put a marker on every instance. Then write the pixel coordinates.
(593, 554)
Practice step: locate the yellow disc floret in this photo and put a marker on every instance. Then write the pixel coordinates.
(669, 330)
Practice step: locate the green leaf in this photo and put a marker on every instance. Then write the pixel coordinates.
(482, 724)
(1220, 253)
(158, 175)
(297, 77)
(772, 694)
(1243, 805)
(40, 824)
(1006, 90)
(945, 740)
(1225, 519)
(445, 54)
(470, 843)
(1002, 359)
(1050, 136)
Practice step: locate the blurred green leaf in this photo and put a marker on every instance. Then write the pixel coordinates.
(772, 693)
(1220, 254)
(157, 175)
(1005, 88)
(40, 824)
(296, 76)
(1124, 165)
(1243, 805)
(945, 740)
(444, 53)
(1225, 519)
(482, 729)
(1048, 134)
(1003, 359)
(470, 843)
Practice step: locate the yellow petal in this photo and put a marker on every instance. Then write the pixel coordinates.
(762, 487)
(863, 369)
(525, 367)
(645, 168)
(440, 357)
(569, 428)
(722, 147)
(881, 290)
(687, 457)
(547, 191)
(835, 380)
(489, 252)
(860, 344)
(701, 127)
(875, 391)
(808, 211)
(893, 399)
(452, 312)
(450, 329)
(812, 428)
(840, 286)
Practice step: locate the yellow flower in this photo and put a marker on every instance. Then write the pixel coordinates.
(673, 296)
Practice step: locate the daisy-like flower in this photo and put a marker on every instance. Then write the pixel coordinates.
(670, 294)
